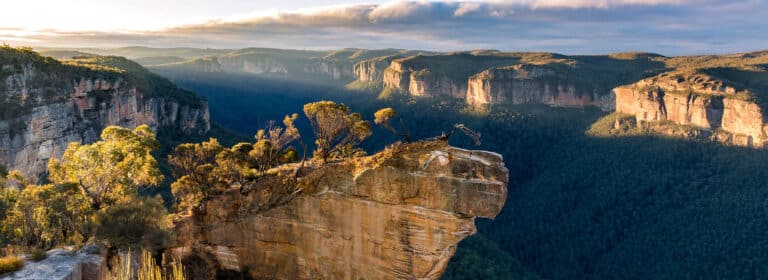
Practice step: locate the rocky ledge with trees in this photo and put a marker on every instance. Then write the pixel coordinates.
(224, 195)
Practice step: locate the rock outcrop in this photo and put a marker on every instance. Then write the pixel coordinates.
(58, 109)
(422, 82)
(62, 264)
(489, 78)
(396, 215)
(372, 70)
(697, 100)
(529, 84)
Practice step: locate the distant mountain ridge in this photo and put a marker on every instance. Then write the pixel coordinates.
(633, 83)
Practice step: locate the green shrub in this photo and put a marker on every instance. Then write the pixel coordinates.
(38, 254)
(10, 264)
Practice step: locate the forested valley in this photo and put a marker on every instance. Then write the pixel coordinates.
(580, 206)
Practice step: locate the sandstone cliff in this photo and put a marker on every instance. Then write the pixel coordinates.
(531, 84)
(395, 215)
(372, 70)
(419, 78)
(483, 78)
(712, 106)
(55, 104)
(423, 83)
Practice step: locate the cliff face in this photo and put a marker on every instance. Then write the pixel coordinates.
(423, 82)
(696, 100)
(396, 215)
(77, 109)
(334, 70)
(528, 84)
(253, 65)
(372, 70)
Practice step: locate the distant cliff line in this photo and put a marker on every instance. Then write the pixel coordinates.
(726, 89)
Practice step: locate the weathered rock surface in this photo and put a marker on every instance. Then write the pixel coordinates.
(61, 264)
(397, 215)
(700, 101)
(335, 70)
(77, 110)
(372, 70)
(422, 82)
(528, 84)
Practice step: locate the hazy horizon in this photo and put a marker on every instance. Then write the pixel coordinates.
(668, 27)
(85, 49)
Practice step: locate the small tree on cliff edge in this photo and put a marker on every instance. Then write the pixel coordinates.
(383, 117)
(336, 128)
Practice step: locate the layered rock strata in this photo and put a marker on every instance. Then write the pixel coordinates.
(396, 215)
(700, 101)
(77, 110)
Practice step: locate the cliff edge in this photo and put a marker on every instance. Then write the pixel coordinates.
(398, 214)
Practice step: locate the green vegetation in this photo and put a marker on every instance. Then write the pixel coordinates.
(111, 170)
(616, 124)
(337, 130)
(38, 254)
(93, 192)
(205, 169)
(364, 86)
(10, 264)
(384, 117)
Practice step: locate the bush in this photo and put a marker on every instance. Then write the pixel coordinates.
(10, 264)
(38, 254)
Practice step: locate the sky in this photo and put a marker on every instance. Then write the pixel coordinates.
(670, 27)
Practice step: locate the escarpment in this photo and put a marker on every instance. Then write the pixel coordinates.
(335, 67)
(530, 84)
(372, 70)
(424, 82)
(491, 77)
(396, 215)
(712, 107)
(47, 105)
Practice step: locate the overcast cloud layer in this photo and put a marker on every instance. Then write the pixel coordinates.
(670, 27)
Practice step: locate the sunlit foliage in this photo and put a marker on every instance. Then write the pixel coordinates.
(93, 192)
(207, 168)
(384, 117)
(111, 170)
(148, 269)
(10, 264)
(337, 129)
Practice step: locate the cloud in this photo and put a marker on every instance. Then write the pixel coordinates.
(565, 26)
